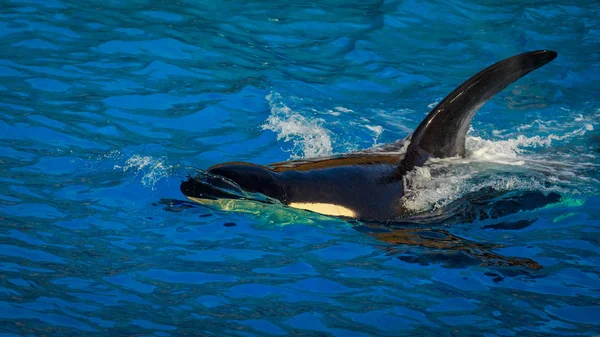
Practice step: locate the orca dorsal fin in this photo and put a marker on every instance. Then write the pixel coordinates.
(442, 133)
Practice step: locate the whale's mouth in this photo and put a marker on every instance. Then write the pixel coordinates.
(205, 188)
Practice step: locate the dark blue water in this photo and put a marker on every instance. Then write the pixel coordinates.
(105, 106)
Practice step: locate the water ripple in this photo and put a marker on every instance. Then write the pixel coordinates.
(105, 104)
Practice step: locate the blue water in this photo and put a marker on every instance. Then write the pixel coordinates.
(106, 105)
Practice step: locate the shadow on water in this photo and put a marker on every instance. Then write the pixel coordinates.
(427, 246)
(425, 238)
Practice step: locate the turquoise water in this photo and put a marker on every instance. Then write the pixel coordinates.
(106, 105)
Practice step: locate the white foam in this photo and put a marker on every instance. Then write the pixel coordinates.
(425, 191)
(377, 130)
(442, 181)
(114, 154)
(342, 109)
(308, 136)
(433, 105)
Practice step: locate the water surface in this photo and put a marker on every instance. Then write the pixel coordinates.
(105, 106)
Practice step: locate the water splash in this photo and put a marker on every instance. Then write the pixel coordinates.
(436, 186)
(308, 136)
(377, 130)
(152, 169)
(502, 165)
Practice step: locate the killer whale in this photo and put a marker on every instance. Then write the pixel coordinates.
(366, 185)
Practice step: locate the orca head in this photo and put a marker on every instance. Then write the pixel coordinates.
(234, 181)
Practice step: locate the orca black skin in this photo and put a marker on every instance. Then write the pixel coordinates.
(366, 185)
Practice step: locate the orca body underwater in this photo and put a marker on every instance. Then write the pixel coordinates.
(365, 185)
